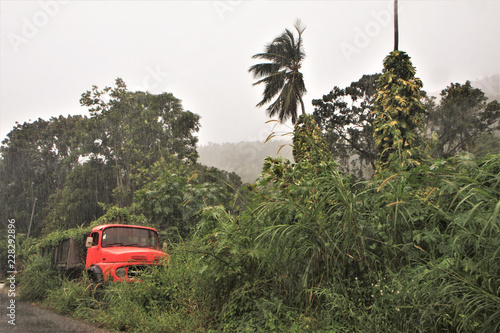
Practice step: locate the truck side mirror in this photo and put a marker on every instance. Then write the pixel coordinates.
(88, 242)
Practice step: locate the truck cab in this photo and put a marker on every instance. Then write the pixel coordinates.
(117, 252)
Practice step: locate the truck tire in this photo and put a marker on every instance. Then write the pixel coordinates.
(96, 280)
(95, 275)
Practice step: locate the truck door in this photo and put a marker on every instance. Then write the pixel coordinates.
(93, 252)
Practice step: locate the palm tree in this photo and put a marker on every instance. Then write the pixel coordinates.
(281, 75)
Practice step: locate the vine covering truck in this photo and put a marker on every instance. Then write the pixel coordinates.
(111, 252)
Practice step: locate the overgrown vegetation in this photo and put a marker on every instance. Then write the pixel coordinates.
(417, 251)
(306, 247)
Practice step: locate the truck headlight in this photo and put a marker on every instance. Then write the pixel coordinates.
(120, 272)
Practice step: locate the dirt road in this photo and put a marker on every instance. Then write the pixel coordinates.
(30, 318)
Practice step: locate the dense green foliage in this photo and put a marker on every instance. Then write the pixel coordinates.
(461, 121)
(346, 117)
(38, 279)
(174, 200)
(398, 114)
(415, 252)
(35, 161)
(135, 130)
(69, 171)
(305, 248)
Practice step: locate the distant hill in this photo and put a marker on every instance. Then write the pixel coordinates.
(244, 158)
(490, 85)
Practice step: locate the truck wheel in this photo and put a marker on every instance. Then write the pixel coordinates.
(95, 288)
(95, 276)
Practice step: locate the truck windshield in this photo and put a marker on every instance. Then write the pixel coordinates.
(123, 236)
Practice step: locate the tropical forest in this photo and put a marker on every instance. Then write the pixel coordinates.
(383, 217)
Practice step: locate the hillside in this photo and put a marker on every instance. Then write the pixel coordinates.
(490, 85)
(244, 158)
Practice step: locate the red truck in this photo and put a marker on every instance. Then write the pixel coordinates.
(114, 252)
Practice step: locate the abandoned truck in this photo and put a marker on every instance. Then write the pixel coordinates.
(111, 252)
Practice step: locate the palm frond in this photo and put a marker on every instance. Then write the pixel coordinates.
(281, 75)
(263, 70)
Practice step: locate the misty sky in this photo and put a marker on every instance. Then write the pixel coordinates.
(53, 51)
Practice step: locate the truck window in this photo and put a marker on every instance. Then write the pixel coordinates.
(127, 236)
(95, 238)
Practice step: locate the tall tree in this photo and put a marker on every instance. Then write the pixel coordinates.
(133, 130)
(281, 76)
(461, 117)
(79, 201)
(345, 115)
(35, 160)
(398, 114)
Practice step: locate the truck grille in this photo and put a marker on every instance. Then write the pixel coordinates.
(136, 270)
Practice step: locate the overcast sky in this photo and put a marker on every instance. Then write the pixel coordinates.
(53, 51)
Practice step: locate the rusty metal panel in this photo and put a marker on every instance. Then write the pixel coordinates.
(67, 254)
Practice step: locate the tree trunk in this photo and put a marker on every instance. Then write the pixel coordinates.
(396, 28)
(302, 105)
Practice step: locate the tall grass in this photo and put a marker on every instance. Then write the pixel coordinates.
(164, 300)
(311, 232)
(418, 251)
(37, 278)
